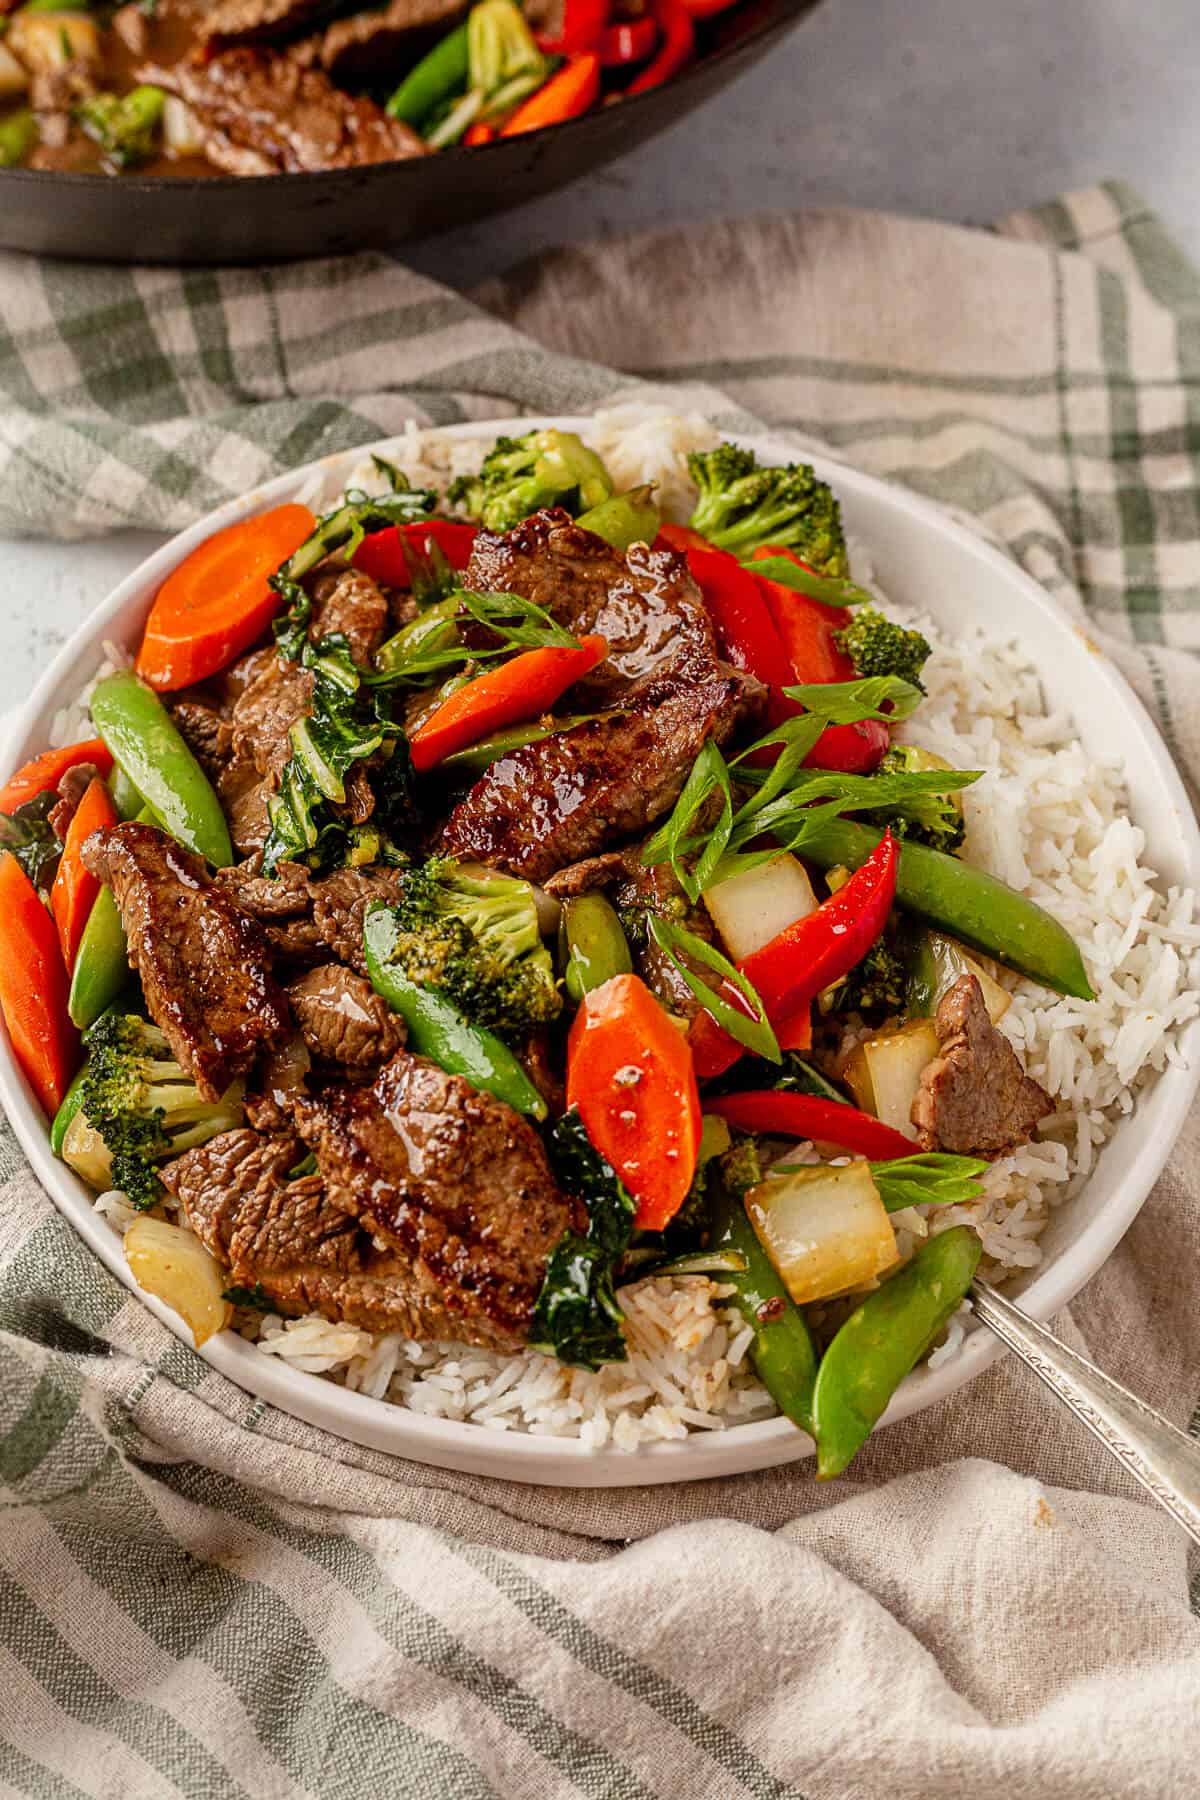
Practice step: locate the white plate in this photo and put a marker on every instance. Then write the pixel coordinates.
(923, 559)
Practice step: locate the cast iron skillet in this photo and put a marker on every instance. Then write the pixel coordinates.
(256, 219)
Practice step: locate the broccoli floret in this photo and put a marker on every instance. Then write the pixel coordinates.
(143, 1105)
(878, 646)
(124, 125)
(874, 987)
(741, 1168)
(933, 819)
(742, 506)
(479, 942)
(521, 475)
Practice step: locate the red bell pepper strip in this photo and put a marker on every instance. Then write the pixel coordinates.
(75, 888)
(582, 23)
(735, 603)
(806, 627)
(790, 971)
(630, 1074)
(48, 769)
(524, 688)
(706, 9)
(808, 1116)
(628, 41)
(819, 949)
(33, 989)
(678, 42)
(479, 133)
(384, 555)
(570, 92)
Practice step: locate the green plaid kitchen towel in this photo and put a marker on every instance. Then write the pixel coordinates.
(201, 1596)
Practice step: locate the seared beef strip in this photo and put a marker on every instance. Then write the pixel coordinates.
(207, 735)
(570, 795)
(205, 966)
(280, 1076)
(310, 919)
(73, 785)
(359, 47)
(233, 22)
(342, 1018)
(645, 604)
(975, 1098)
(348, 602)
(553, 802)
(452, 1179)
(635, 886)
(262, 113)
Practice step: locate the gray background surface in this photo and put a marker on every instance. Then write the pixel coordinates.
(959, 109)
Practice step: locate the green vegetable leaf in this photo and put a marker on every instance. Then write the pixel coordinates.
(753, 1034)
(255, 1299)
(397, 482)
(28, 833)
(932, 1179)
(830, 590)
(347, 724)
(340, 532)
(577, 1317)
(847, 702)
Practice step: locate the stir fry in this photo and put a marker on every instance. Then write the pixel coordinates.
(254, 87)
(472, 904)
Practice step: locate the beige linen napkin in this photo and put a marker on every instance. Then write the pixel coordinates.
(198, 1594)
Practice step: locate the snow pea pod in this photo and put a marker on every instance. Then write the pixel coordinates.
(435, 79)
(783, 1348)
(882, 1340)
(101, 964)
(137, 728)
(125, 796)
(592, 943)
(967, 902)
(438, 1030)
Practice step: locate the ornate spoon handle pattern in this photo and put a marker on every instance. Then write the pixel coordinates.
(1164, 1459)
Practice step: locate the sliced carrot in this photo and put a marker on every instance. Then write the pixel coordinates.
(48, 769)
(630, 1073)
(75, 888)
(214, 605)
(524, 688)
(33, 989)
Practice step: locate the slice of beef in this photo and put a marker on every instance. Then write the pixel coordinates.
(272, 702)
(453, 1180)
(310, 920)
(342, 1018)
(571, 795)
(233, 22)
(204, 965)
(244, 794)
(644, 603)
(279, 1077)
(207, 735)
(369, 43)
(578, 792)
(975, 1098)
(267, 113)
(348, 602)
(633, 886)
(73, 785)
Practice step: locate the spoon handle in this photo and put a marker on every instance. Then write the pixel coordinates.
(1164, 1459)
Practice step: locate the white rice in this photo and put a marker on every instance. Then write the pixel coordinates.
(1048, 818)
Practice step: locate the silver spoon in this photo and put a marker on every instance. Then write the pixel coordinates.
(1164, 1459)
